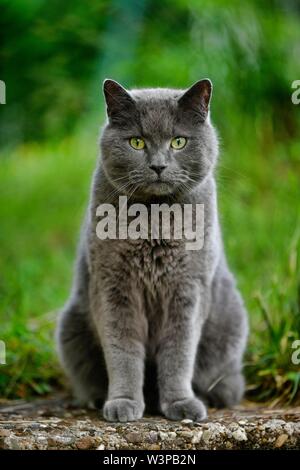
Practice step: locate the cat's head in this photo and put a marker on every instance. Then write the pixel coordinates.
(158, 141)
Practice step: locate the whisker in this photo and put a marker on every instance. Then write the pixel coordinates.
(116, 191)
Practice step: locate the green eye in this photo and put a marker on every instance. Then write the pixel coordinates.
(178, 143)
(137, 143)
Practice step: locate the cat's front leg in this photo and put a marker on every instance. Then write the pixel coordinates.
(122, 340)
(176, 357)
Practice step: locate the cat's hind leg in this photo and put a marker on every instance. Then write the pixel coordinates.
(218, 377)
(81, 356)
(227, 390)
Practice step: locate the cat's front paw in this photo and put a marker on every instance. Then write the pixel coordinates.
(190, 408)
(123, 410)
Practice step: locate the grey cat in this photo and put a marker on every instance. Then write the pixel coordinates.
(147, 320)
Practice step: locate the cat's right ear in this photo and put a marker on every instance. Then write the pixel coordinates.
(118, 101)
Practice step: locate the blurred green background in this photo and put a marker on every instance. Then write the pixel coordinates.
(53, 58)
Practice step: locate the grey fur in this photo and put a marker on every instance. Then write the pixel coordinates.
(142, 304)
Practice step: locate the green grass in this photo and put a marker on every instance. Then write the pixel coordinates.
(43, 194)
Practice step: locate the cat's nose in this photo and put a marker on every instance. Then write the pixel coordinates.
(158, 168)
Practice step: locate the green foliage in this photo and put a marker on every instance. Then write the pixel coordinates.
(48, 58)
(43, 192)
(53, 57)
(270, 370)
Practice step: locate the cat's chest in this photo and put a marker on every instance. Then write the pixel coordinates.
(157, 262)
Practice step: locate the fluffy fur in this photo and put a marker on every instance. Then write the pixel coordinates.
(147, 320)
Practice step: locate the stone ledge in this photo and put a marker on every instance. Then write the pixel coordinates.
(55, 424)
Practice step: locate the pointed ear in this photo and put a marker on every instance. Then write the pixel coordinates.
(118, 101)
(196, 99)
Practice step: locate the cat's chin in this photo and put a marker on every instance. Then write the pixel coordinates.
(159, 188)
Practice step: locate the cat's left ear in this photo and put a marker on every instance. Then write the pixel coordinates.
(197, 99)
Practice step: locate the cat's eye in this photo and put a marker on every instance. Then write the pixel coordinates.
(178, 143)
(137, 143)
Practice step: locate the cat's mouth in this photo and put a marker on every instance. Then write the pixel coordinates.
(159, 186)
